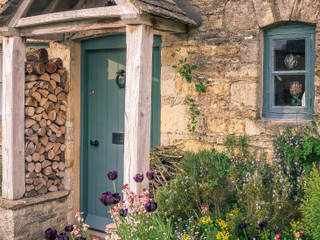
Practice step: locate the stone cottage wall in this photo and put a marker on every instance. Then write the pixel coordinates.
(228, 51)
(27, 219)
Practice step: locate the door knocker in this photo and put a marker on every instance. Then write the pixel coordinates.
(121, 73)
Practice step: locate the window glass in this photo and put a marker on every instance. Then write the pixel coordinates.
(289, 90)
(289, 55)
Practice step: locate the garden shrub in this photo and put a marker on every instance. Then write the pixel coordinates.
(0, 175)
(311, 203)
(201, 181)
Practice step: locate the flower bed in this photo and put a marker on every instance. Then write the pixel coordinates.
(0, 175)
(235, 195)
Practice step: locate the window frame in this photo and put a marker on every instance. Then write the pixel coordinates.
(288, 32)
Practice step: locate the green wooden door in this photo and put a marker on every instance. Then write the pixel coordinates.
(102, 117)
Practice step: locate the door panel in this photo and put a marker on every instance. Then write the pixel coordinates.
(103, 114)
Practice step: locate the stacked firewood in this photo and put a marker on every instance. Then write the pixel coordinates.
(46, 91)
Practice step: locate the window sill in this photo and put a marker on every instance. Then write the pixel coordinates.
(287, 117)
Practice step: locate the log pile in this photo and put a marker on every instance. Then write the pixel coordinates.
(46, 91)
(164, 162)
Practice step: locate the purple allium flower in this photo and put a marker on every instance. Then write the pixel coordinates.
(138, 177)
(112, 175)
(116, 198)
(107, 199)
(50, 234)
(150, 175)
(63, 236)
(80, 238)
(243, 225)
(69, 228)
(263, 224)
(151, 206)
(123, 212)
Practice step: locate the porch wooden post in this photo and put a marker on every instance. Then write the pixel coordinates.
(13, 185)
(138, 103)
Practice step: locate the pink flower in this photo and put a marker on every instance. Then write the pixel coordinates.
(85, 227)
(278, 236)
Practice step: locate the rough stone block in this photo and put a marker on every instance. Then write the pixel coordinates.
(239, 15)
(245, 94)
(225, 125)
(174, 119)
(263, 9)
(285, 8)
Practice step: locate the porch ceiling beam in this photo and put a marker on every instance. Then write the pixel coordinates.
(22, 9)
(71, 27)
(83, 14)
(157, 23)
(138, 103)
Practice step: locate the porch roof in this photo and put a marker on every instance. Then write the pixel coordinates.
(175, 10)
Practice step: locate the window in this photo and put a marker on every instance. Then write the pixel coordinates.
(288, 86)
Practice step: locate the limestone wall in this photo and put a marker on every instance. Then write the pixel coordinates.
(29, 218)
(228, 50)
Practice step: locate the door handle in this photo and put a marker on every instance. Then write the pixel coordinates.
(94, 143)
(121, 73)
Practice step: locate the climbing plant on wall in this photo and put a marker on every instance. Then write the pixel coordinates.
(185, 71)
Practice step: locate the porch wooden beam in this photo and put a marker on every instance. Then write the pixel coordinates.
(13, 172)
(160, 24)
(71, 27)
(127, 7)
(138, 103)
(90, 13)
(22, 10)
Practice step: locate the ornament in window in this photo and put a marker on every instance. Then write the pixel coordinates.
(291, 61)
(296, 93)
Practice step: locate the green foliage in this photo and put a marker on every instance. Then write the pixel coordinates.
(184, 68)
(194, 112)
(148, 227)
(185, 71)
(241, 186)
(0, 176)
(311, 203)
(202, 180)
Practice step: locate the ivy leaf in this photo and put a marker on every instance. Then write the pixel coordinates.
(174, 66)
(194, 67)
(173, 55)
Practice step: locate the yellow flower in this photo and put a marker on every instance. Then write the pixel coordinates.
(205, 220)
(185, 237)
(224, 235)
(222, 224)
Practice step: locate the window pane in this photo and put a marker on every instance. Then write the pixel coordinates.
(289, 90)
(289, 55)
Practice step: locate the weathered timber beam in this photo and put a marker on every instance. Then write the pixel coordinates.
(70, 27)
(13, 178)
(157, 23)
(90, 13)
(127, 7)
(8, 32)
(22, 9)
(97, 33)
(138, 103)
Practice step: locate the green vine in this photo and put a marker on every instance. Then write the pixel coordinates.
(194, 112)
(185, 71)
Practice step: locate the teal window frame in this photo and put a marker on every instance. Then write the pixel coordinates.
(288, 32)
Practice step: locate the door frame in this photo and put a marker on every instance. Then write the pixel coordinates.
(100, 43)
